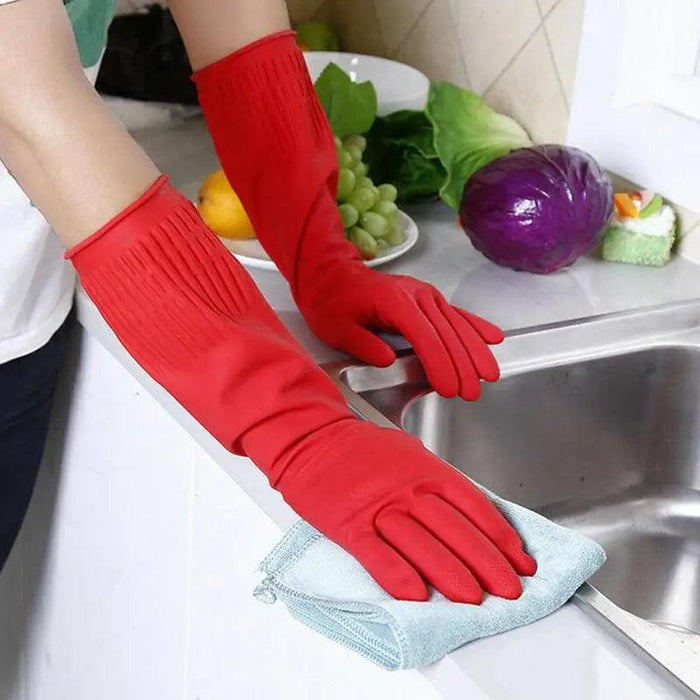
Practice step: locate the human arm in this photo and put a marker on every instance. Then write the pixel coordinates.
(276, 147)
(194, 320)
(71, 157)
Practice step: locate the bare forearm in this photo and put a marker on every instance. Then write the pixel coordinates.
(71, 157)
(212, 29)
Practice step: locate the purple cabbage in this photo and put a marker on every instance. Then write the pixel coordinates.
(537, 209)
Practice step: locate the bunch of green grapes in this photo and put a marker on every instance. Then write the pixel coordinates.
(369, 212)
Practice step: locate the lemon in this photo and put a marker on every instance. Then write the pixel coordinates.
(221, 208)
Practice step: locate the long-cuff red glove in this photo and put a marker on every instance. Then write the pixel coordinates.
(275, 144)
(194, 320)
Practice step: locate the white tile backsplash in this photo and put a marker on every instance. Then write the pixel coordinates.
(546, 5)
(433, 47)
(563, 27)
(490, 34)
(397, 18)
(498, 47)
(520, 53)
(484, 45)
(537, 103)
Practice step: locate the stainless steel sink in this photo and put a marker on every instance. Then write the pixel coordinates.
(596, 424)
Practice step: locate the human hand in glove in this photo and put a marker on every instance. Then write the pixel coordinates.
(275, 144)
(348, 306)
(191, 315)
(408, 517)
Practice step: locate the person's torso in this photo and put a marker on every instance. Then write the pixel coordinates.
(36, 284)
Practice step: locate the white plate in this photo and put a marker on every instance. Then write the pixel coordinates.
(252, 254)
(398, 86)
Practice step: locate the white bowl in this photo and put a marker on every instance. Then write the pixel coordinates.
(398, 86)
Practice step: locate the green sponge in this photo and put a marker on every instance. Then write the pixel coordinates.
(640, 241)
(621, 245)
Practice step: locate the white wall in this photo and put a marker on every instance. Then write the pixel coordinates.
(133, 575)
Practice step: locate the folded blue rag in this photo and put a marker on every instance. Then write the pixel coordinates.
(326, 588)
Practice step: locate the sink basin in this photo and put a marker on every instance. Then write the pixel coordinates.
(596, 425)
(609, 447)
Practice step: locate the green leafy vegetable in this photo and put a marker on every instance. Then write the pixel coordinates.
(350, 107)
(411, 127)
(400, 151)
(421, 153)
(468, 134)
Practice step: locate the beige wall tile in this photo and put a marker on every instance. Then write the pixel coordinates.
(432, 46)
(396, 17)
(529, 91)
(546, 5)
(302, 10)
(325, 10)
(356, 23)
(563, 27)
(491, 32)
(476, 43)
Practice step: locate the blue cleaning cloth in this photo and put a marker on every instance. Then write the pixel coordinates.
(328, 590)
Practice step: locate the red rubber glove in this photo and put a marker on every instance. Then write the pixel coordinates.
(405, 515)
(275, 144)
(194, 320)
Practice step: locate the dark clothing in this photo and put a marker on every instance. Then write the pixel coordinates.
(27, 387)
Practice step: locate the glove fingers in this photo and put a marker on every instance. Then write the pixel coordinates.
(491, 569)
(364, 345)
(388, 568)
(463, 495)
(438, 565)
(484, 362)
(434, 308)
(491, 334)
(410, 320)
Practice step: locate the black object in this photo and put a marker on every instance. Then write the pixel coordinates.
(145, 59)
(28, 385)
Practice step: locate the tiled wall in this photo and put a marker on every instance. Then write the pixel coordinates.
(519, 54)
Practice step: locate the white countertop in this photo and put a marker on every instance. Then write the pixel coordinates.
(445, 257)
(567, 650)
